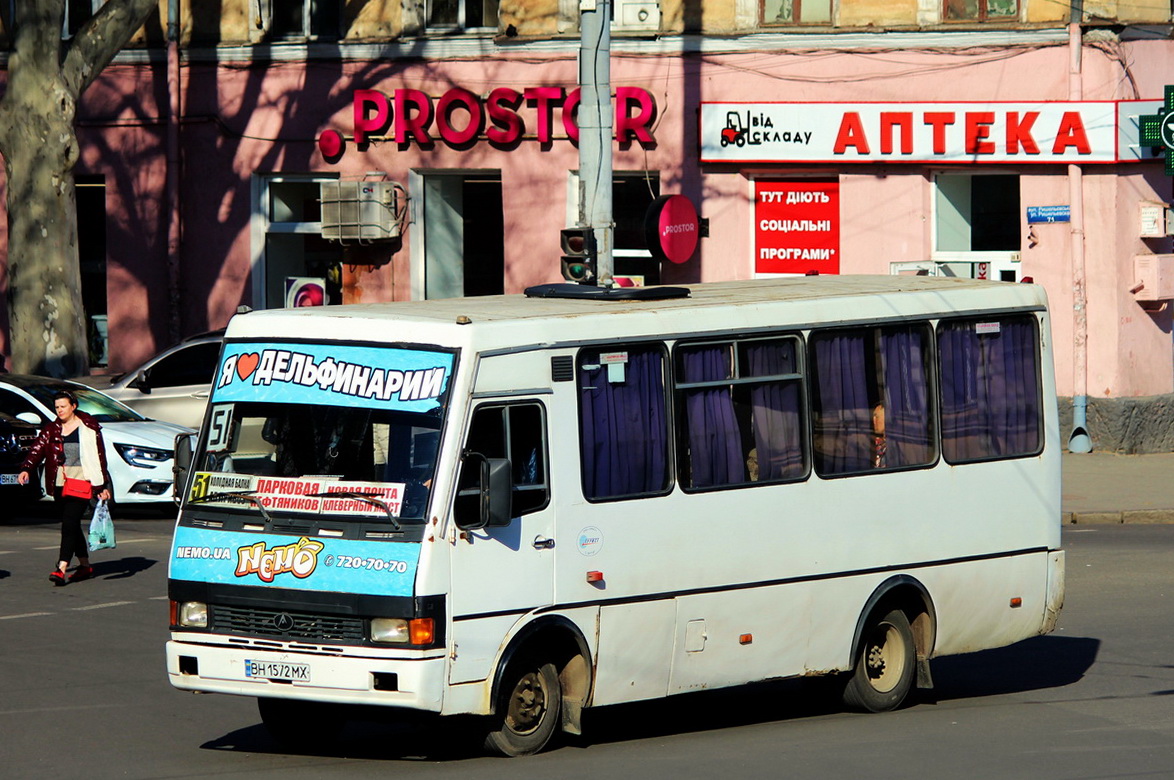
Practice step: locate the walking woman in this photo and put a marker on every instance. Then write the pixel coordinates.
(75, 470)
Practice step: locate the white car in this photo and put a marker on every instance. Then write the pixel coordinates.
(172, 385)
(139, 452)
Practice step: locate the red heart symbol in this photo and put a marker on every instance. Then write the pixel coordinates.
(246, 364)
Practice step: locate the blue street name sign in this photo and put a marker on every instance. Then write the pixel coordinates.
(1037, 214)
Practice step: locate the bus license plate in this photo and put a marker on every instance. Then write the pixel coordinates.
(8, 479)
(277, 670)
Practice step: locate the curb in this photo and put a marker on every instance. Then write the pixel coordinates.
(1126, 517)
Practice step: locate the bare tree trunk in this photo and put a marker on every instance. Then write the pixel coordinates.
(40, 148)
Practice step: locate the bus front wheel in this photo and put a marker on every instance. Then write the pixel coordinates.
(527, 710)
(885, 666)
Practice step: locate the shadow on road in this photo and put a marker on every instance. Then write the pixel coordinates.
(1035, 664)
(122, 568)
(1032, 665)
(47, 513)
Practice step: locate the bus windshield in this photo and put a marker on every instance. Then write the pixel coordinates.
(299, 451)
(328, 429)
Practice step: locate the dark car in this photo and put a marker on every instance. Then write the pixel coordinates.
(16, 436)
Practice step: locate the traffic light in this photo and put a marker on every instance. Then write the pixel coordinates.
(578, 255)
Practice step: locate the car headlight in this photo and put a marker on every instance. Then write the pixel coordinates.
(193, 614)
(143, 457)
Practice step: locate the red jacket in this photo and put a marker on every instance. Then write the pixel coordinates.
(50, 447)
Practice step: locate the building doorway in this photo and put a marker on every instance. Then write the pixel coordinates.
(91, 251)
(459, 234)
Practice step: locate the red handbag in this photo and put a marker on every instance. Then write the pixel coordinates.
(77, 488)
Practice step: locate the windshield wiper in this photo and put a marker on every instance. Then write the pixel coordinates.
(371, 498)
(248, 496)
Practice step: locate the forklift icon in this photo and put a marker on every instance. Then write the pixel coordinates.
(733, 132)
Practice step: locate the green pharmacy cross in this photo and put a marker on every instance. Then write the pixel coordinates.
(1158, 129)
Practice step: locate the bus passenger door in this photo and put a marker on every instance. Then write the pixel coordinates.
(501, 573)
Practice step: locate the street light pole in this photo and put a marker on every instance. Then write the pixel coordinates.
(595, 131)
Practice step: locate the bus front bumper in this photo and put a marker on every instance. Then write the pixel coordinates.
(358, 678)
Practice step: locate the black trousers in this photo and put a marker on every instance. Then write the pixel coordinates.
(73, 538)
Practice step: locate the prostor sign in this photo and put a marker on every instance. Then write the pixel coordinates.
(1061, 132)
(460, 117)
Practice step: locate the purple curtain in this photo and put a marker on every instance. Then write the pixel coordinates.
(775, 416)
(908, 436)
(990, 391)
(715, 442)
(843, 419)
(623, 427)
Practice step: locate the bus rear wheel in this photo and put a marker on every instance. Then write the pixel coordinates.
(528, 710)
(885, 666)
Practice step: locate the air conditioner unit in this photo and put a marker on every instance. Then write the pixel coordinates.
(1155, 277)
(362, 211)
(634, 15)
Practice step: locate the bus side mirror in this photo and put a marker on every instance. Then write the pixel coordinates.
(182, 465)
(494, 491)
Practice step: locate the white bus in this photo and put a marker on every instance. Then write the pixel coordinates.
(523, 506)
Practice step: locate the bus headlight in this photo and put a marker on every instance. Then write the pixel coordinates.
(193, 614)
(389, 630)
(418, 631)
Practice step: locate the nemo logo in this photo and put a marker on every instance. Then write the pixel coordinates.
(299, 559)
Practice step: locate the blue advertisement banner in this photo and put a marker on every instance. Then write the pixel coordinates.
(293, 562)
(333, 375)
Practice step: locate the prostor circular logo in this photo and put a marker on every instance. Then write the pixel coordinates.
(672, 228)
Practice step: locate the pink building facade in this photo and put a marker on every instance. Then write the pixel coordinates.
(479, 206)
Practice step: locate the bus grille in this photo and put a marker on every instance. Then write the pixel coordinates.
(301, 626)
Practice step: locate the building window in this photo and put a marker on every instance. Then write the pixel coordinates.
(295, 266)
(462, 14)
(632, 192)
(91, 250)
(981, 10)
(796, 11)
(976, 226)
(300, 19)
(77, 13)
(977, 213)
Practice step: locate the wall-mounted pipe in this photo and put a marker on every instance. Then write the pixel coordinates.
(1078, 440)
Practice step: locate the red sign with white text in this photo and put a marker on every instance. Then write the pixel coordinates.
(796, 227)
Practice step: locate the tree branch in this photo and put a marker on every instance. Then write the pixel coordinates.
(102, 37)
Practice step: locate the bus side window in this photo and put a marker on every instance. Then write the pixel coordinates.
(740, 413)
(516, 432)
(991, 401)
(872, 404)
(623, 422)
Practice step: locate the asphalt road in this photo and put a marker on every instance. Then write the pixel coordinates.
(84, 694)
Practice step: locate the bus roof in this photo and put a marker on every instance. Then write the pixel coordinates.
(709, 306)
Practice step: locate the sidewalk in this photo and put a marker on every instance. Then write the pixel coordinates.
(1101, 488)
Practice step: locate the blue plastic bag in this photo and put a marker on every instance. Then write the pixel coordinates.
(101, 528)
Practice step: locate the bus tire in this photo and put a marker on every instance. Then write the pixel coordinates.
(301, 725)
(528, 709)
(885, 665)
